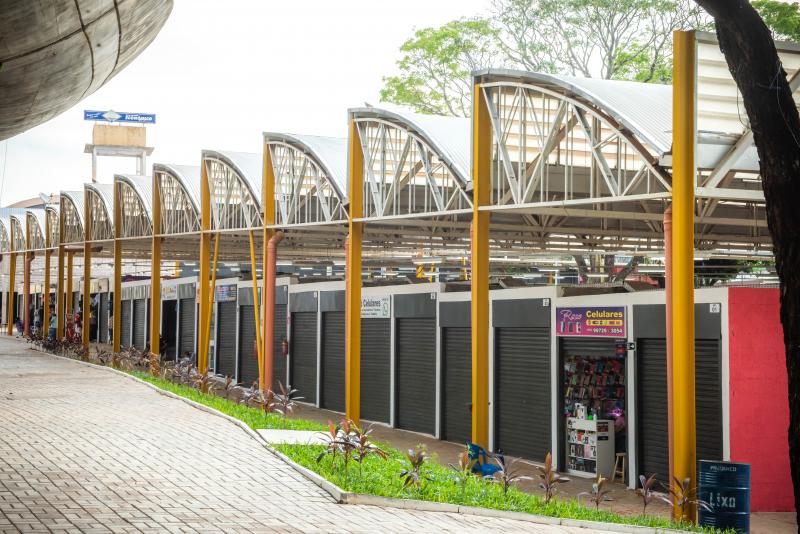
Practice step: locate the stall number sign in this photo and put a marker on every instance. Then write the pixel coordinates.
(593, 321)
(225, 293)
(169, 292)
(375, 307)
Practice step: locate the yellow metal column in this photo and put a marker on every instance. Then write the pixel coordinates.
(202, 279)
(683, 182)
(60, 307)
(46, 294)
(482, 183)
(70, 256)
(117, 325)
(27, 260)
(155, 273)
(12, 274)
(352, 379)
(87, 272)
(268, 217)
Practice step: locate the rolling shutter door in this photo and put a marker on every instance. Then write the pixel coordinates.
(186, 327)
(304, 355)
(139, 322)
(457, 375)
(652, 407)
(125, 330)
(248, 359)
(375, 369)
(226, 339)
(278, 358)
(416, 374)
(522, 392)
(333, 361)
(102, 319)
(708, 391)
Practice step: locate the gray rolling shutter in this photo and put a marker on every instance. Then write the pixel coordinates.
(304, 355)
(102, 319)
(125, 330)
(652, 435)
(708, 395)
(278, 358)
(375, 369)
(76, 300)
(522, 392)
(415, 361)
(457, 382)
(226, 339)
(333, 361)
(248, 356)
(139, 323)
(186, 327)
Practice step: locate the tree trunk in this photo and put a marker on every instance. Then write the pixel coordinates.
(754, 64)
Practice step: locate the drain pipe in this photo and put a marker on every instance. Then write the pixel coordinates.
(269, 311)
(668, 292)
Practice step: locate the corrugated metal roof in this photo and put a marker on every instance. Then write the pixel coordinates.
(41, 217)
(143, 186)
(329, 152)
(5, 219)
(247, 165)
(188, 176)
(106, 194)
(449, 137)
(76, 197)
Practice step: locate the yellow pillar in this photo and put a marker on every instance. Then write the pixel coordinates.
(202, 279)
(27, 260)
(87, 272)
(117, 324)
(12, 274)
(268, 217)
(46, 294)
(155, 273)
(683, 180)
(70, 256)
(353, 278)
(60, 305)
(482, 184)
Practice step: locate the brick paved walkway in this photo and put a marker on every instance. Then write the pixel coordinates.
(85, 450)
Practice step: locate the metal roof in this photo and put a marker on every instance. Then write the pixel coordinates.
(449, 137)
(106, 194)
(41, 218)
(247, 165)
(5, 219)
(329, 152)
(188, 176)
(76, 197)
(143, 186)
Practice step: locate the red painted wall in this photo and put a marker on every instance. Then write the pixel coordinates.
(759, 409)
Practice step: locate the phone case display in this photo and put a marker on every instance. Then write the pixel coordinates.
(590, 447)
(597, 383)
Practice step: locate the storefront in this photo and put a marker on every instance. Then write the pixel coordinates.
(225, 300)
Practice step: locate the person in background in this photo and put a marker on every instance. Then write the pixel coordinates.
(18, 324)
(51, 331)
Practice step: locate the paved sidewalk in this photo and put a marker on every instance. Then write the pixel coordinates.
(85, 450)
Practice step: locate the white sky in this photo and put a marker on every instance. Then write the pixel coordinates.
(221, 73)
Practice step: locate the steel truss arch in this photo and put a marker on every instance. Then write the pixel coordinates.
(5, 240)
(52, 233)
(310, 178)
(18, 241)
(134, 198)
(71, 212)
(101, 210)
(234, 181)
(35, 223)
(414, 165)
(179, 190)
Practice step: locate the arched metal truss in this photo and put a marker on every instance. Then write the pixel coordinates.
(234, 180)
(71, 210)
(310, 178)
(101, 210)
(179, 189)
(5, 230)
(36, 222)
(18, 241)
(52, 231)
(134, 201)
(414, 165)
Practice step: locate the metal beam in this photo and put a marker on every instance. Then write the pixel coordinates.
(268, 290)
(353, 276)
(155, 272)
(205, 258)
(12, 274)
(87, 271)
(117, 326)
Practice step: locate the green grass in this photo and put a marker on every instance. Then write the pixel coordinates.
(253, 417)
(381, 477)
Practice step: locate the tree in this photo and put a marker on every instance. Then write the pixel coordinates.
(781, 17)
(435, 67)
(749, 50)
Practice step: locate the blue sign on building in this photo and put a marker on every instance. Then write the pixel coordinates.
(119, 116)
(725, 487)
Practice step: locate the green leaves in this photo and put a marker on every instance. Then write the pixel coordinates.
(783, 18)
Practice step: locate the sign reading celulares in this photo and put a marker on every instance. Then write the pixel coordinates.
(592, 321)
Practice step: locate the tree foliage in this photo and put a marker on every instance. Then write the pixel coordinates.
(781, 17)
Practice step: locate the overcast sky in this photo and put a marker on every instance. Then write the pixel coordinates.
(221, 73)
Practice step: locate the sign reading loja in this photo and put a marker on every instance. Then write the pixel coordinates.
(595, 321)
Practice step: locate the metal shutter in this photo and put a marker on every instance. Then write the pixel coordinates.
(333, 361)
(139, 323)
(76, 301)
(375, 369)
(278, 358)
(651, 407)
(125, 330)
(248, 355)
(102, 319)
(708, 395)
(304, 355)
(522, 392)
(186, 327)
(226, 339)
(415, 382)
(457, 382)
